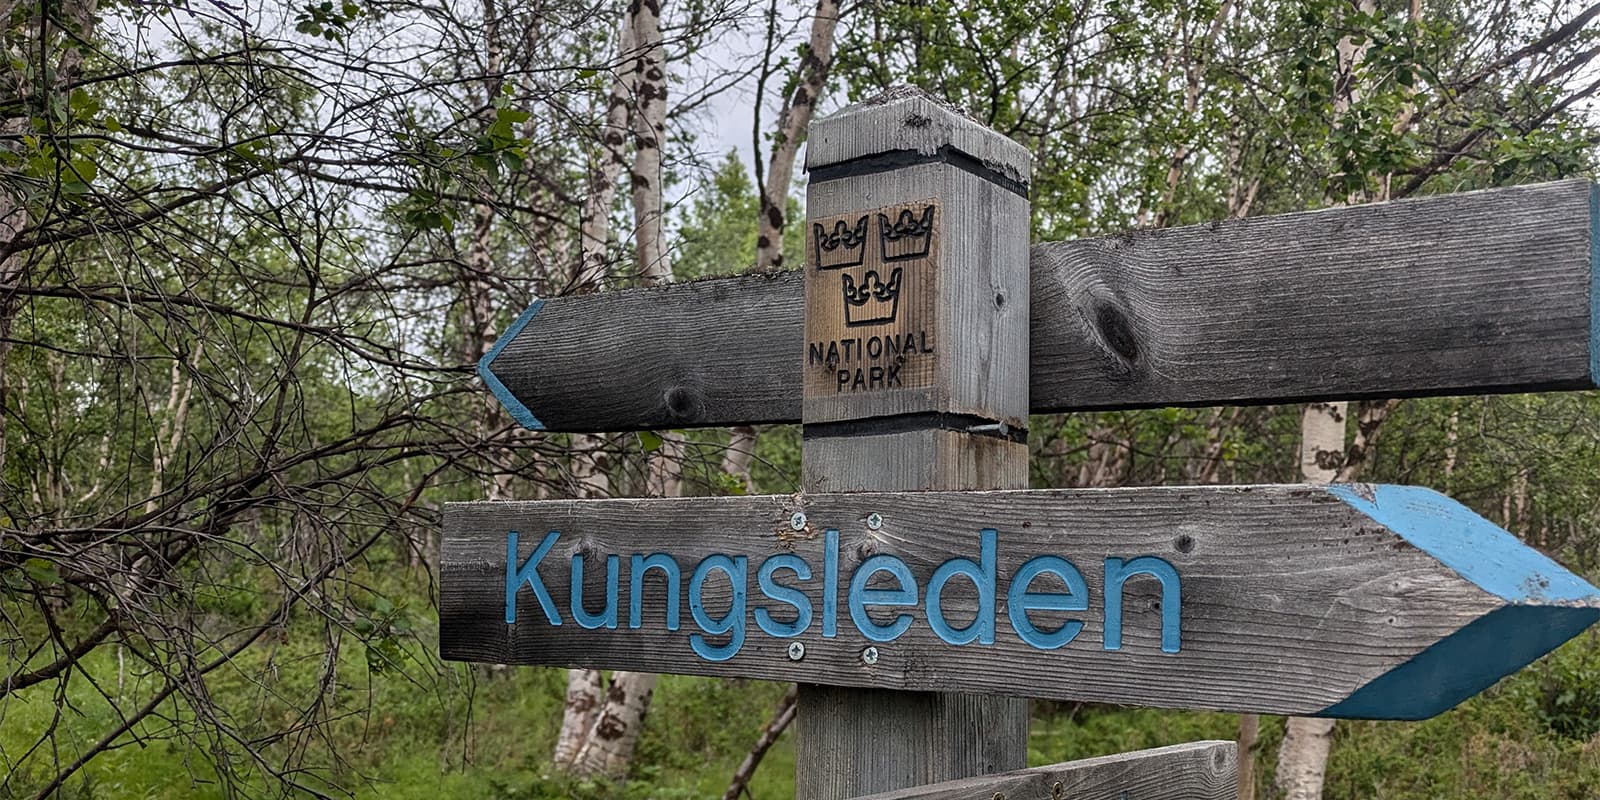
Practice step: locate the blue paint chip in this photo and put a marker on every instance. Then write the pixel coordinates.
(513, 406)
(1546, 604)
(1594, 284)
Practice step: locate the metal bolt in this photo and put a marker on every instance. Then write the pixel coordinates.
(869, 656)
(797, 520)
(797, 651)
(1057, 791)
(874, 521)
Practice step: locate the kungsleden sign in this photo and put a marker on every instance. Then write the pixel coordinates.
(1352, 600)
(880, 583)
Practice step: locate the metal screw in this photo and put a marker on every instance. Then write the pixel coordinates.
(869, 656)
(1057, 791)
(874, 521)
(797, 651)
(797, 520)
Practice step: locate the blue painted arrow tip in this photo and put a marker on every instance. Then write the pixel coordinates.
(1545, 604)
(513, 406)
(1474, 547)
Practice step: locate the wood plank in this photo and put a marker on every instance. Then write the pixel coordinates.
(1474, 293)
(1192, 771)
(1381, 602)
(907, 352)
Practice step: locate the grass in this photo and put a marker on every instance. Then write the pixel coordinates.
(434, 731)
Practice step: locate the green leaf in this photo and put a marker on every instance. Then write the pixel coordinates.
(650, 440)
(41, 572)
(86, 170)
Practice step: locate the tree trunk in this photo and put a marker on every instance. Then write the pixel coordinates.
(740, 455)
(608, 747)
(585, 687)
(1303, 756)
(582, 708)
(595, 218)
(1249, 746)
(792, 124)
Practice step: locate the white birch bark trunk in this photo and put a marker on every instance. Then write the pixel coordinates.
(608, 747)
(1303, 756)
(649, 124)
(792, 125)
(595, 218)
(584, 689)
(585, 696)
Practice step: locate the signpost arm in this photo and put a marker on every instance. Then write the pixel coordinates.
(915, 377)
(1194, 771)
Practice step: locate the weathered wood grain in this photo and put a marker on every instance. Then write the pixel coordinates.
(1360, 601)
(943, 242)
(1192, 771)
(1463, 294)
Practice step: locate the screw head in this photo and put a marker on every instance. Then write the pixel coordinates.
(874, 521)
(869, 656)
(797, 521)
(797, 651)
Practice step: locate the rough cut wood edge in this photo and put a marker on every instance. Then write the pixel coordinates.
(1193, 771)
(907, 119)
(1476, 293)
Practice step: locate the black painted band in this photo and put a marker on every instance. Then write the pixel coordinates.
(900, 159)
(906, 423)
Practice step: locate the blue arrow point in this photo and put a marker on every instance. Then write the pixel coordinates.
(1465, 663)
(513, 406)
(1545, 604)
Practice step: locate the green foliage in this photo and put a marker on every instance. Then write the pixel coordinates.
(718, 233)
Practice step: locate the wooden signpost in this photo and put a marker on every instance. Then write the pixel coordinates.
(1355, 600)
(1472, 293)
(915, 589)
(1193, 771)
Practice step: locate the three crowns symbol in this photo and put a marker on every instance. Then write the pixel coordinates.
(872, 301)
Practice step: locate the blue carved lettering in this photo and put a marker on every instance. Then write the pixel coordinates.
(606, 618)
(736, 569)
(1118, 572)
(787, 595)
(982, 575)
(528, 573)
(1019, 601)
(637, 567)
(861, 597)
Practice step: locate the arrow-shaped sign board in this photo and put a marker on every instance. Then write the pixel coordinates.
(1471, 293)
(1369, 601)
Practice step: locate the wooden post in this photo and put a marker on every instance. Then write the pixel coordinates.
(915, 378)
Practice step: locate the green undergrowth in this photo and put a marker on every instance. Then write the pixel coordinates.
(475, 732)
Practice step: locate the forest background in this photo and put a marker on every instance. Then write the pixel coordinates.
(251, 251)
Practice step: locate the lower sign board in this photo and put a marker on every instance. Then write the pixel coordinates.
(1368, 601)
(1193, 771)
